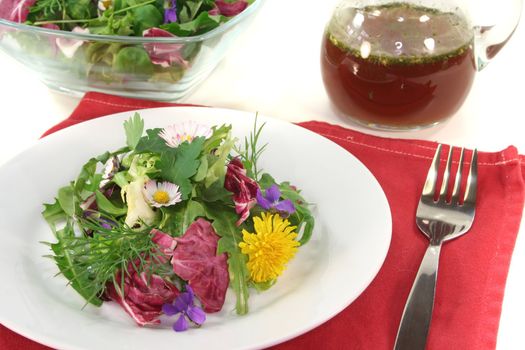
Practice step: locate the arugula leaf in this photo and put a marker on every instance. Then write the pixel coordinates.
(217, 137)
(64, 258)
(88, 180)
(121, 179)
(105, 205)
(134, 128)
(224, 225)
(266, 181)
(215, 192)
(178, 218)
(202, 24)
(181, 164)
(189, 10)
(53, 212)
(303, 215)
(66, 199)
(217, 167)
(89, 262)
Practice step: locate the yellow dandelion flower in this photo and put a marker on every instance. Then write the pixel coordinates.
(270, 248)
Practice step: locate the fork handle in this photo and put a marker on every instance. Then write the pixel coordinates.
(413, 329)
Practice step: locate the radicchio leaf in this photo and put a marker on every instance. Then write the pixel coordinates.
(195, 260)
(230, 9)
(244, 189)
(15, 10)
(164, 54)
(143, 295)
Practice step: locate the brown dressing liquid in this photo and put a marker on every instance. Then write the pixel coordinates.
(397, 65)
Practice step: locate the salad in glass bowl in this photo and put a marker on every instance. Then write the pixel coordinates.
(168, 223)
(156, 49)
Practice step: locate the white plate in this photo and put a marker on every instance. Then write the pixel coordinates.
(349, 244)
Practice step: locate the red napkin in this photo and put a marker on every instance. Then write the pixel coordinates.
(473, 268)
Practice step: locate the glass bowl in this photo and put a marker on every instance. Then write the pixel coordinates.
(157, 68)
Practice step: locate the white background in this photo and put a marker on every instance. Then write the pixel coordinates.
(274, 69)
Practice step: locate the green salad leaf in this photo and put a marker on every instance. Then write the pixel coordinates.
(134, 128)
(203, 23)
(179, 165)
(224, 225)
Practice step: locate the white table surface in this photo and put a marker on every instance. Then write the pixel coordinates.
(274, 69)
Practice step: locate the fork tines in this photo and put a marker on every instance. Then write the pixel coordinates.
(433, 178)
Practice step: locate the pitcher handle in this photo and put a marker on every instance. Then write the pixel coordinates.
(492, 33)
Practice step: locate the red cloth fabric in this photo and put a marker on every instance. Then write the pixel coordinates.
(473, 268)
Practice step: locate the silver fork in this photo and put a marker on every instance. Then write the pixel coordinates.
(440, 220)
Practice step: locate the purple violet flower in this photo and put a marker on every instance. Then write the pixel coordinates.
(185, 306)
(270, 200)
(170, 11)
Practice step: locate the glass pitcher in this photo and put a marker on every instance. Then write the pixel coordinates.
(410, 64)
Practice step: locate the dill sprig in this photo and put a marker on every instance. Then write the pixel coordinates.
(251, 152)
(90, 261)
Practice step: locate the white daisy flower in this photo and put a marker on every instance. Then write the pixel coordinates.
(161, 194)
(103, 5)
(176, 134)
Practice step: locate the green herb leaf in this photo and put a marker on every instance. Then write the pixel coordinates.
(302, 218)
(189, 9)
(121, 179)
(217, 163)
(215, 192)
(46, 10)
(105, 205)
(202, 170)
(67, 200)
(178, 218)
(217, 137)
(90, 262)
(224, 225)
(251, 151)
(53, 212)
(134, 128)
(81, 9)
(145, 17)
(64, 256)
(202, 24)
(152, 142)
(181, 164)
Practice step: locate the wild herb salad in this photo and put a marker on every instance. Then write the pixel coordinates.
(118, 62)
(169, 222)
